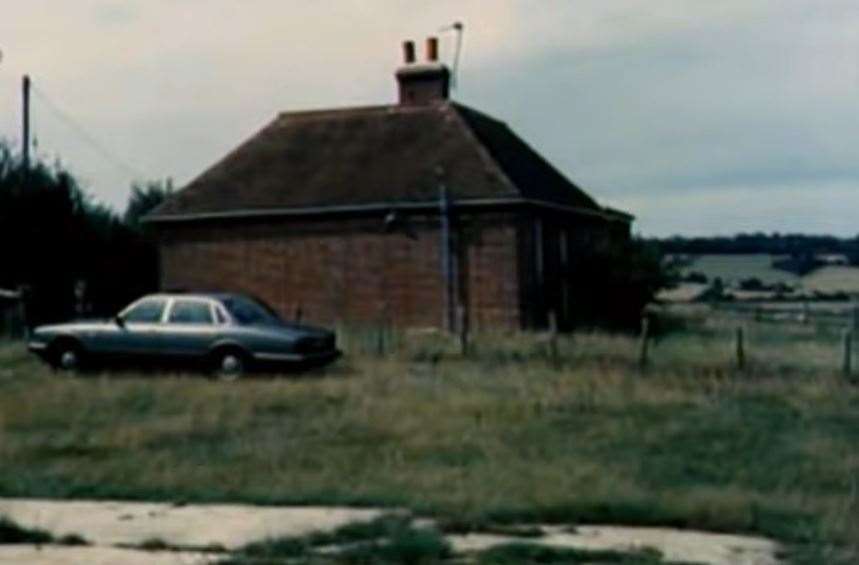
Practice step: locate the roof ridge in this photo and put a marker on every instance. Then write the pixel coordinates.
(526, 146)
(482, 150)
(345, 110)
(458, 106)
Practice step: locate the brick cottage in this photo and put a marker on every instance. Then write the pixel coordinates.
(414, 214)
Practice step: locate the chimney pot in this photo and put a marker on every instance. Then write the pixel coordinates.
(409, 52)
(424, 83)
(432, 49)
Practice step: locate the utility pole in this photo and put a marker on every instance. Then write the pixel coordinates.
(25, 153)
(448, 262)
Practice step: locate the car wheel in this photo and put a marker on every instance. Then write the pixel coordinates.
(229, 365)
(67, 357)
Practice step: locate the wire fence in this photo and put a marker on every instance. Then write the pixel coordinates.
(712, 341)
(811, 313)
(709, 343)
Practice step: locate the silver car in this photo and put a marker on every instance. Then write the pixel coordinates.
(226, 333)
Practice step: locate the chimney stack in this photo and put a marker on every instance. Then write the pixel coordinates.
(422, 83)
(408, 52)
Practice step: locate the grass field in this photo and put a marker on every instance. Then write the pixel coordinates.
(735, 268)
(501, 437)
(832, 279)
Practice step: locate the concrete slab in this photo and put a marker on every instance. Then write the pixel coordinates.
(107, 524)
(199, 525)
(675, 545)
(59, 555)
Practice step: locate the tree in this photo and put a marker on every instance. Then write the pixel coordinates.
(54, 236)
(144, 198)
(613, 284)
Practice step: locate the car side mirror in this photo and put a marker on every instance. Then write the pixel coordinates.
(119, 321)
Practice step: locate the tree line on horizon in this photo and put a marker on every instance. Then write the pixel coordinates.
(793, 245)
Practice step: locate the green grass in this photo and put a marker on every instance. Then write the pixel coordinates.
(734, 268)
(10, 533)
(502, 437)
(388, 539)
(832, 279)
(523, 553)
(13, 533)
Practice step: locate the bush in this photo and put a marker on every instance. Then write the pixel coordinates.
(612, 286)
(60, 237)
(516, 553)
(10, 532)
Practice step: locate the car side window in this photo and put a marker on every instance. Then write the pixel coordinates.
(190, 312)
(220, 317)
(146, 312)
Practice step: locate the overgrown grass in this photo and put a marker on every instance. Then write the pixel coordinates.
(389, 539)
(501, 437)
(13, 533)
(518, 553)
(10, 532)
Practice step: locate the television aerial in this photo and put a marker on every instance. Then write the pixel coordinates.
(458, 28)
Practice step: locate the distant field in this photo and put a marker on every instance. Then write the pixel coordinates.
(734, 268)
(833, 279)
(501, 436)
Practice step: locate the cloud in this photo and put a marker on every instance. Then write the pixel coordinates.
(762, 103)
(112, 13)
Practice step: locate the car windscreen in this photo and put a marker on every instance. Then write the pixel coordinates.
(249, 312)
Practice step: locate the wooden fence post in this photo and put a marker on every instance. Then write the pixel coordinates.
(644, 343)
(462, 322)
(847, 359)
(380, 337)
(553, 338)
(741, 349)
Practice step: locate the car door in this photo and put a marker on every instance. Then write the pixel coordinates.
(189, 329)
(137, 332)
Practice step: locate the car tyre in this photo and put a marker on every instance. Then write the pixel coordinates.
(229, 364)
(67, 356)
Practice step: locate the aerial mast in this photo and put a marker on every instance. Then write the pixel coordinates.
(458, 28)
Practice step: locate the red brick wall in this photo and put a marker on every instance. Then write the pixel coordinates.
(493, 276)
(350, 270)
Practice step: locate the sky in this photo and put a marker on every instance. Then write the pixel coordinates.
(698, 117)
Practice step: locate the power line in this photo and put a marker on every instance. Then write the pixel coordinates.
(86, 136)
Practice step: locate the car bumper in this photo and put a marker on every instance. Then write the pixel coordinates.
(37, 347)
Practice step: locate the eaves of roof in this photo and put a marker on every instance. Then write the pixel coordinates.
(432, 206)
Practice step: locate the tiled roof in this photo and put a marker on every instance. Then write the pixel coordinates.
(374, 156)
